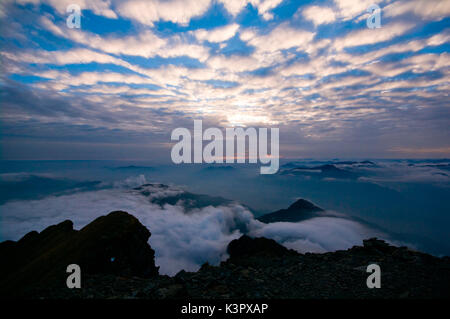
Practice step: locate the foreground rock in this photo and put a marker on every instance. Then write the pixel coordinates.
(256, 268)
(115, 244)
(260, 268)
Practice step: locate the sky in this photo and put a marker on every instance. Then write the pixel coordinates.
(135, 70)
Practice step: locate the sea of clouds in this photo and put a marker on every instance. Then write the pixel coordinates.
(181, 239)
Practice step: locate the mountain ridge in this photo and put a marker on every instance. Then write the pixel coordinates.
(256, 268)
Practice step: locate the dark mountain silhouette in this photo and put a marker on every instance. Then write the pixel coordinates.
(35, 187)
(298, 211)
(114, 244)
(247, 247)
(117, 262)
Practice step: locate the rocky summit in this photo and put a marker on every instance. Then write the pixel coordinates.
(115, 244)
(117, 262)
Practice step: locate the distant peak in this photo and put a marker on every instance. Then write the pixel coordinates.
(303, 204)
(298, 211)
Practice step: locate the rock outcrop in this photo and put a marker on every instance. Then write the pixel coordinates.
(261, 268)
(115, 244)
(117, 262)
(247, 247)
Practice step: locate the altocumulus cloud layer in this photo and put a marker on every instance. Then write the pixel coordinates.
(182, 239)
(137, 69)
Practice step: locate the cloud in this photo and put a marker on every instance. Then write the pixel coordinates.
(146, 44)
(181, 240)
(234, 6)
(401, 47)
(99, 7)
(176, 11)
(417, 64)
(233, 63)
(319, 67)
(320, 234)
(45, 114)
(318, 15)
(328, 80)
(407, 172)
(425, 9)
(149, 12)
(349, 9)
(372, 36)
(280, 38)
(74, 56)
(263, 6)
(218, 34)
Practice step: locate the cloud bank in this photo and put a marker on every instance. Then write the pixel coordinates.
(181, 239)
